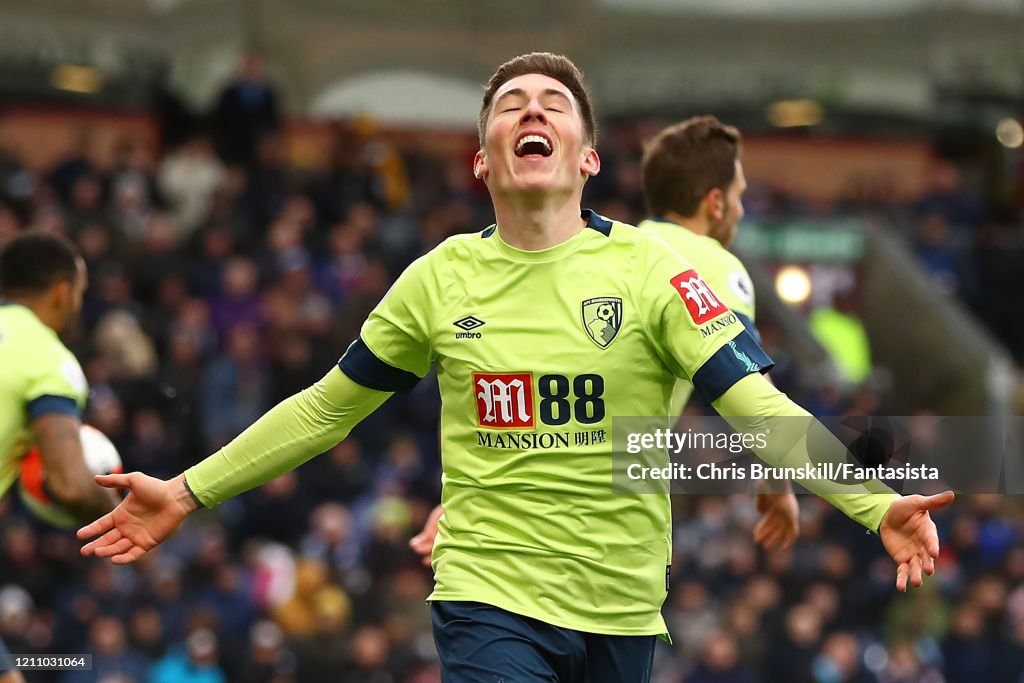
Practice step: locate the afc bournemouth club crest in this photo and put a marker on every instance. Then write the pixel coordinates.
(602, 318)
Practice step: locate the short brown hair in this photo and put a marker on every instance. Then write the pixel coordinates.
(687, 160)
(34, 260)
(554, 66)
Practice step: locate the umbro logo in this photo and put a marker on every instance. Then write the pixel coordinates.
(467, 324)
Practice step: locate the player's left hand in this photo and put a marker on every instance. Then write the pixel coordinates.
(780, 520)
(910, 537)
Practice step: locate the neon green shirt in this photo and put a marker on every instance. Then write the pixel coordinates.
(535, 352)
(721, 269)
(38, 375)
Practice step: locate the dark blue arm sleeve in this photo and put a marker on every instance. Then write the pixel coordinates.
(363, 367)
(738, 358)
(44, 405)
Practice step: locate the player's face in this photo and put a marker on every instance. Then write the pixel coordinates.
(724, 228)
(534, 141)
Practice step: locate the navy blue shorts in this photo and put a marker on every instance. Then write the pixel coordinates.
(480, 643)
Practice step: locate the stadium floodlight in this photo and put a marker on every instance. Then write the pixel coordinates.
(793, 284)
(76, 78)
(795, 113)
(1010, 133)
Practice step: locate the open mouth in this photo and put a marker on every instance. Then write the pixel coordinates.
(533, 145)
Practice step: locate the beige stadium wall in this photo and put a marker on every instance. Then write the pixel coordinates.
(828, 169)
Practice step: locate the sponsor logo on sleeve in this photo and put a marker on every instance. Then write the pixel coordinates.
(504, 400)
(701, 303)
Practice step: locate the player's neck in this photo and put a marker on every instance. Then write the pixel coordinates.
(541, 226)
(46, 314)
(694, 224)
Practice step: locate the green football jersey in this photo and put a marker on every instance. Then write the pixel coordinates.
(536, 351)
(723, 272)
(38, 375)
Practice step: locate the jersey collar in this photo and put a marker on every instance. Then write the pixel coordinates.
(594, 221)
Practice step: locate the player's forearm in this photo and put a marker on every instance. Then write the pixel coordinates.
(295, 430)
(68, 480)
(753, 405)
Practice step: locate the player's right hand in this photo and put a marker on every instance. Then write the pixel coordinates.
(423, 542)
(150, 513)
(911, 538)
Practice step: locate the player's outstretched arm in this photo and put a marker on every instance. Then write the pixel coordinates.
(907, 532)
(291, 433)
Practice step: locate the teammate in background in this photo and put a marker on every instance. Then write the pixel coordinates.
(542, 572)
(42, 387)
(693, 185)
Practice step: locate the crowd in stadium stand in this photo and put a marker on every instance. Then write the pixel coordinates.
(217, 290)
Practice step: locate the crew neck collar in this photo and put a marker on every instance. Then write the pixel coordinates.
(596, 225)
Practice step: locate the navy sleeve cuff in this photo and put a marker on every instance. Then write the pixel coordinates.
(363, 367)
(738, 358)
(46, 405)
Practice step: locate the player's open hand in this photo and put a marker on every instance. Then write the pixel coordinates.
(780, 521)
(151, 512)
(910, 536)
(423, 542)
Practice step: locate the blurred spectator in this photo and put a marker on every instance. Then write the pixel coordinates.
(792, 656)
(268, 660)
(968, 653)
(331, 540)
(236, 388)
(239, 302)
(246, 112)
(299, 616)
(112, 655)
(148, 636)
(840, 661)
(275, 510)
(73, 166)
(903, 665)
(189, 178)
(15, 617)
(370, 659)
(719, 662)
(196, 662)
(938, 254)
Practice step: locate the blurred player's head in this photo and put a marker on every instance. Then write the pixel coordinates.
(537, 128)
(692, 173)
(44, 272)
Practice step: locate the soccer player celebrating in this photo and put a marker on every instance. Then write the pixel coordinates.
(542, 327)
(693, 185)
(42, 386)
